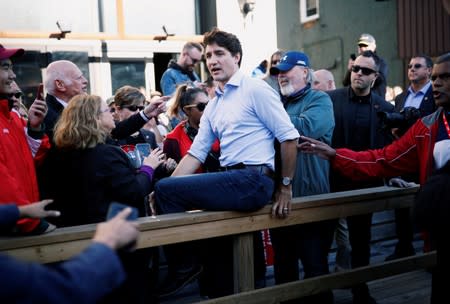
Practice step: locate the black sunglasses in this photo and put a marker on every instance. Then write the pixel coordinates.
(416, 66)
(17, 95)
(133, 108)
(365, 71)
(200, 106)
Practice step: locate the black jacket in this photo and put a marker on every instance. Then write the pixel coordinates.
(84, 182)
(53, 113)
(427, 106)
(343, 134)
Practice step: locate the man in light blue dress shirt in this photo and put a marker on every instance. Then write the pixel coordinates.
(246, 116)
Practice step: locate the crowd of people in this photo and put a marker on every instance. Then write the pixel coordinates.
(233, 142)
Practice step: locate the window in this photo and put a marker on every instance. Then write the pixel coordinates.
(309, 10)
(28, 71)
(127, 73)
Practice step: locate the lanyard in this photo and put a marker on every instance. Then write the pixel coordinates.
(446, 123)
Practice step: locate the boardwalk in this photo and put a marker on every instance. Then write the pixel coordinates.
(409, 288)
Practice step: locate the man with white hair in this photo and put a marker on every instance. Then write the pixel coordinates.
(323, 80)
(311, 112)
(63, 81)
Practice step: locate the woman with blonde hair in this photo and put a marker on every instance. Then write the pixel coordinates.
(85, 173)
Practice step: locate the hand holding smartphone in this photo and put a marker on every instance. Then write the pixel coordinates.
(143, 150)
(115, 208)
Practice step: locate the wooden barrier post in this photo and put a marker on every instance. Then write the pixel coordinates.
(243, 270)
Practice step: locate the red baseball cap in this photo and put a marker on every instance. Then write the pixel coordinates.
(9, 53)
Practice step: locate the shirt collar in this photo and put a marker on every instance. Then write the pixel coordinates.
(234, 81)
(423, 90)
(62, 102)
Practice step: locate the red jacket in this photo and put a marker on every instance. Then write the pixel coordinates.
(178, 143)
(17, 170)
(412, 153)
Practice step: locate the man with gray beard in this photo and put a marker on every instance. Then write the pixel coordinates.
(311, 112)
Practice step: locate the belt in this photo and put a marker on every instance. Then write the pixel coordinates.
(260, 168)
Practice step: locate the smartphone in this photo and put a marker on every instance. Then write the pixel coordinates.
(40, 92)
(143, 150)
(115, 207)
(133, 155)
(353, 57)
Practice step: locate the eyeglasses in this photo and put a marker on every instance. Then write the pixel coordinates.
(17, 95)
(200, 106)
(443, 76)
(416, 66)
(365, 71)
(133, 108)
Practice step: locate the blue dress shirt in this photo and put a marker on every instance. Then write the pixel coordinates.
(246, 118)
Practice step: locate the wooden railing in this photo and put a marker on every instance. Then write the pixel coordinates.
(180, 227)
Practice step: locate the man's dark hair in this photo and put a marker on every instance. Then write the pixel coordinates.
(443, 58)
(224, 39)
(376, 59)
(428, 60)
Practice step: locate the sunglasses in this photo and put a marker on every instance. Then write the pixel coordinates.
(365, 71)
(416, 66)
(200, 106)
(17, 95)
(275, 62)
(112, 110)
(133, 108)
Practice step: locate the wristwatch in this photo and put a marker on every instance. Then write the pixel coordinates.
(286, 181)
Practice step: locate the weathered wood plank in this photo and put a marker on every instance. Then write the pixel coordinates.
(175, 228)
(283, 292)
(243, 262)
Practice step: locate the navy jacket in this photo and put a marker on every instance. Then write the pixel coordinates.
(85, 278)
(427, 106)
(343, 135)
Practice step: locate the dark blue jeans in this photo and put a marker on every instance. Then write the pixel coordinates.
(239, 190)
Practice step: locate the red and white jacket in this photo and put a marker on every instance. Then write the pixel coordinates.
(412, 153)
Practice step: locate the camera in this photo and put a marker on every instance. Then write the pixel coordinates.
(402, 120)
